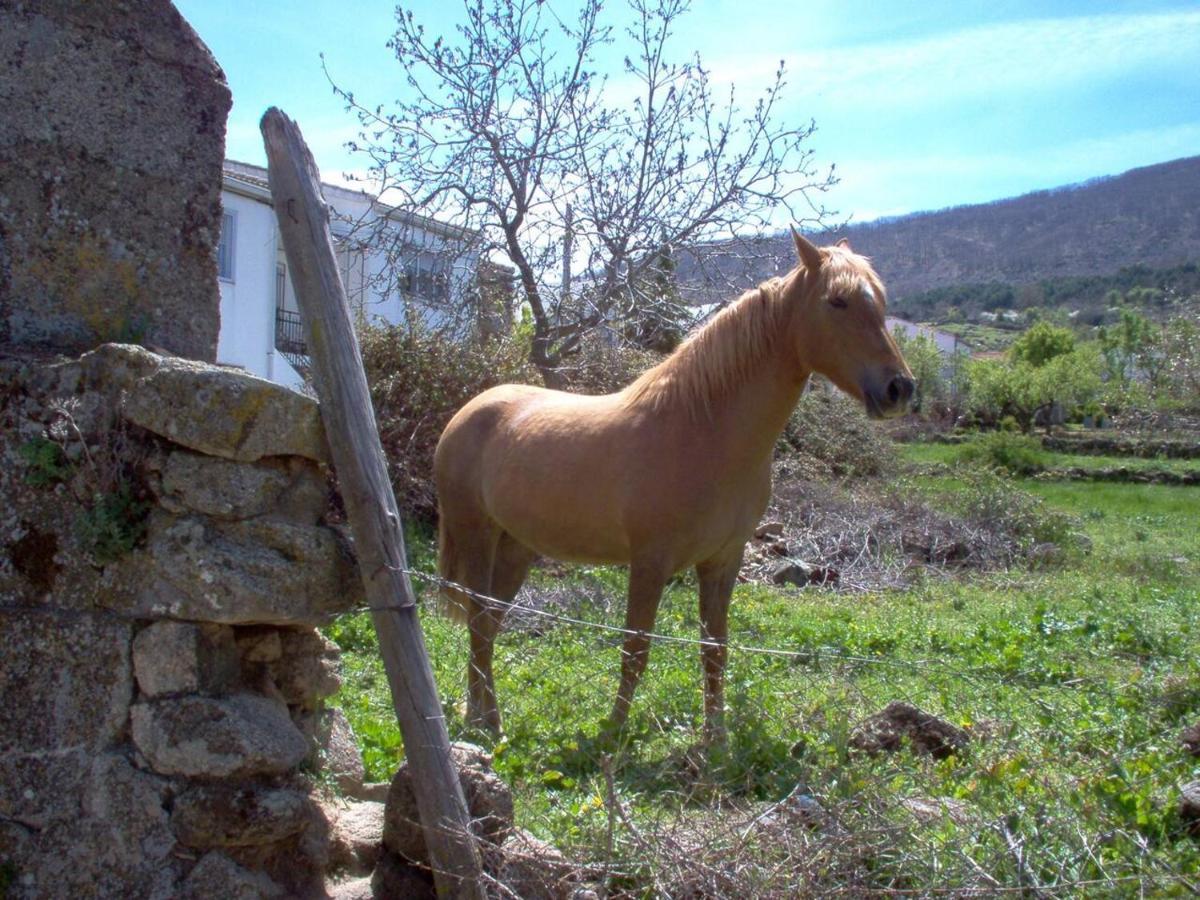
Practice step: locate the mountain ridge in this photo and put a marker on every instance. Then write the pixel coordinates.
(1148, 216)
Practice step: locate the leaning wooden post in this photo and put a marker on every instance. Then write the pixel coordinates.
(370, 504)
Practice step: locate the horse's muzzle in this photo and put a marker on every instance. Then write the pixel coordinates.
(892, 400)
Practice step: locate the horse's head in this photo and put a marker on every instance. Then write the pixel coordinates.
(839, 314)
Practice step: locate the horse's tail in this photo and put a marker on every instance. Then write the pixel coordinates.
(451, 602)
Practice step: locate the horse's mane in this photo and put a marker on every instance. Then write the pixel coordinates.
(729, 347)
(718, 356)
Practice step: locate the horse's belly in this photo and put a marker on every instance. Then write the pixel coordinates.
(562, 531)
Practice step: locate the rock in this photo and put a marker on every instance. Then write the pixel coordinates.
(533, 869)
(287, 486)
(353, 889)
(107, 830)
(67, 682)
(225, 413)
(307, 670)
(259, 644)
(215, 816)
(802, 574)
(1191, 739)
(112, 146)
(1189, 807)
(259, 571)
(182, 657)
(375, 791)
(885, 732)
(337, 751)
(216, 875)
(769, 530)
(356, 835)
(395, 878)
(489, 802)
(234, 737)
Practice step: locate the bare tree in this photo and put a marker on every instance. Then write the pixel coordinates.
(509, 131)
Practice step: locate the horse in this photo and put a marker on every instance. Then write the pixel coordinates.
(672, 472)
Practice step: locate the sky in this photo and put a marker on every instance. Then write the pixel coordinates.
(918, 105)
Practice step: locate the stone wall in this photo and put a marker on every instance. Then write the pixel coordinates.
(163, 732)
(110, 175)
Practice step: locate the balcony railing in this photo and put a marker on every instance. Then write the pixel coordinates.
(289, 338)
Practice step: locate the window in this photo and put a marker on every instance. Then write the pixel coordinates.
(225, 247)
(280, 286)
(426, 277)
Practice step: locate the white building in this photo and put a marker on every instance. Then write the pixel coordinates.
(947, 344)
(395, 266)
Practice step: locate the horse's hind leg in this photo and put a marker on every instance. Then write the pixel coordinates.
(467, 554)
(508, 563)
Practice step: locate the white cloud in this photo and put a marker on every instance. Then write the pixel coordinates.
(1037, 54)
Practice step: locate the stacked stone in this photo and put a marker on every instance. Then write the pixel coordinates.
(163, 729)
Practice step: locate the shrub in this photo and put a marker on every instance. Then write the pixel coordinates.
(830, 434)
(418, 381)
(1006, 450)
(602, 367)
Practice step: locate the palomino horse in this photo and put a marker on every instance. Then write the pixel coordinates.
(671, 472)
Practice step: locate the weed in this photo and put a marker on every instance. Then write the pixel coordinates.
(47, 462)
(113, 524)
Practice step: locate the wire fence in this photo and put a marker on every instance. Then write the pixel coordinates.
(1048, 782)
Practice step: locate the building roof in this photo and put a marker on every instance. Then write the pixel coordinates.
(251, 181)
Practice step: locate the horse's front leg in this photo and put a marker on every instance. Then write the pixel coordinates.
(646, 583)
(717, 578)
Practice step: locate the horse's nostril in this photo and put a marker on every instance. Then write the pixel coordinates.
(893, 391)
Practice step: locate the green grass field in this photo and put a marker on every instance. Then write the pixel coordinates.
(1074, 683)
(953, 454)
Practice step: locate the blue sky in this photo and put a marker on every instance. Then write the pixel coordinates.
(919, 105)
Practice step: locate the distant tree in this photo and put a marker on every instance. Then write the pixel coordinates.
(1042, 343)
(1181, 355)
(938, 376)
(1129, 345)
(1018, 388)
(509, 130)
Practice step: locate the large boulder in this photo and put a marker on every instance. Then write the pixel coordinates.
(66, 680)
(489, 802)
(112, 145)
(225, 412)
(208, 737)
(212, 816)
(185, 658)
(216, 875)
(258, 571)
(290, 487)
(109, 830)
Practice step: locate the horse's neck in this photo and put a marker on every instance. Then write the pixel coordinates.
(751, 417)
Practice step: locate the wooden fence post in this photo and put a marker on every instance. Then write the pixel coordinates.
(370, 504)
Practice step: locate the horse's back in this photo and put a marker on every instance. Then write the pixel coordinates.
(541, 465)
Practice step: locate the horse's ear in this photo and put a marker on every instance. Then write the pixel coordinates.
(809, 254)
(845, 242)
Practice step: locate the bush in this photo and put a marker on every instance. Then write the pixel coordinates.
(1005, 450)
(418, 381)
(602, 367)
(830, 434)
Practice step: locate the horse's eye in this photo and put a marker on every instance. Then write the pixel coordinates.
(839, 302)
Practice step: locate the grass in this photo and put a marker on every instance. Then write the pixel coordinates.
(953, 454)
(1075, 683)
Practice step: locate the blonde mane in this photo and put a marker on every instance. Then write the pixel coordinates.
(717, 357)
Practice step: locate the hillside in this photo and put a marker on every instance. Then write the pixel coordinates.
(1145, 217)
